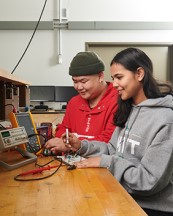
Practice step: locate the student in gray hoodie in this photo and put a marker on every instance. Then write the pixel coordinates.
(140, 152)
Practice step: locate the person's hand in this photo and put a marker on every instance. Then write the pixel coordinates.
(90, 162)
(73, 142)
(56, 145)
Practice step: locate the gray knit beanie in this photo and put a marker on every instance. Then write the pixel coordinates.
(86, 63)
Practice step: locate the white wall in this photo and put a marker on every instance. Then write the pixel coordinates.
(39, 65)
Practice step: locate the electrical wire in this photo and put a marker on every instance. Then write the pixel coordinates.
(31, 38)
(20, 178)
(14, 109)
(2, 127)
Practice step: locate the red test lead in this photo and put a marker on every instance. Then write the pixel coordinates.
(39, 170)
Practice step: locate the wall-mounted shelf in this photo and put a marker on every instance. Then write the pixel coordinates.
(7, 77)
(13, 90)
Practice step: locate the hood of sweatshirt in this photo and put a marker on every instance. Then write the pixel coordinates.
(166, 101)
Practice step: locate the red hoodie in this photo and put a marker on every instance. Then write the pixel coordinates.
(87, 123)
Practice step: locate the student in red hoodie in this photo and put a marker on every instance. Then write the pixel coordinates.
(89, 115)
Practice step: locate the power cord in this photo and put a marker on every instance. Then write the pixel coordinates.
(31, 38)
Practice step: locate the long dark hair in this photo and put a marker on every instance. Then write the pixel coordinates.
(132, 59)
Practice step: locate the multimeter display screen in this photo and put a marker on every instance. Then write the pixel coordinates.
(5, 134)
(25, 120)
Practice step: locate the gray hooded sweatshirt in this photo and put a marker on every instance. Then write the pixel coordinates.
(140, 156)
